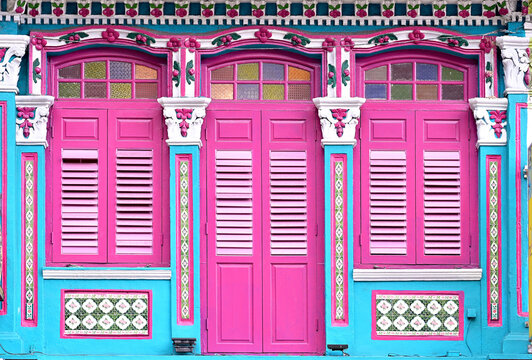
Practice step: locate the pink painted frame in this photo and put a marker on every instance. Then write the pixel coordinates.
(461, 319)
(3, 268)
(24, 321)
(100, 291)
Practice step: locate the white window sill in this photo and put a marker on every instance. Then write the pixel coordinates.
(417, 274)
(106, 274)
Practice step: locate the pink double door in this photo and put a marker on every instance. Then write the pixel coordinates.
(264, 269)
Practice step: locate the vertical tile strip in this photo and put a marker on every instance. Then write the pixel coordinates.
(3, 197)
(29, 243)
(493, 163)
(338, 240)
(184, 239)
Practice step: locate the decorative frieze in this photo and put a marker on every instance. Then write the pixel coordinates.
(183, 118)
(12, 49)
(338, 119)
(490, 117)
(416, 314)
(32, 119)
(106, 313)
(515, 61)
(493, 178)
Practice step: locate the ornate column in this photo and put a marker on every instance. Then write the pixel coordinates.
(184, 118)
(12, 49)
(339, 118)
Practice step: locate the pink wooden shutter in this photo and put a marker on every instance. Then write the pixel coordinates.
(135, 186)
(78, 186)
(443, 187)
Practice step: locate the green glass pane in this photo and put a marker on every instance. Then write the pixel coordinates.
(402, 71)
(95, 70)
(69, 90)
(401, 92)
(378, 73)
(248, 71)
(273, 92)
(121, 90)
(448, 74)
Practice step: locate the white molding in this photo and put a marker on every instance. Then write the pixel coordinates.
(107, 274)
(38, 132)
(417, 274)
(485, 131)
(515, 62)
(10, 63)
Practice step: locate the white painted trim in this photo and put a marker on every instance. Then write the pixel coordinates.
(417, 274)
(107, 274)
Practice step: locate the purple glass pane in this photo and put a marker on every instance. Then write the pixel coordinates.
(70, 72)
(95, 90)
(272, 71)
(402, 71)
(120, 70)
(247, 91)
(375, 91)
(427, 72)
(452, 92)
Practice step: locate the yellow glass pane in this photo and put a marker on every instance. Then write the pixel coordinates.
(248, 71)
(121, 90)
(222, 91)
(95, 70)
(69, 90)
(298, 74)
(144, 72)
(273, 92)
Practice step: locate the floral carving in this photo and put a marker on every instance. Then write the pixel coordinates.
(36, 70)
(453, 41)
(296, 39)
(335, 8)
(439, 7)
(329, 44)
(283, 8)
(131, 8)
(232, 7)
(263, 34)
(488, 74)
(192, 44)
(416, 36)
(413, 8)
(498, 117)
(331, 75)
(486, 44)
(140, 38)
(34, 8)
(57, 8)
(21, 5)
(258, 8)
(345, 73)
(347, 44)
(156, 8)
(339, 115)
(38, 41)
(189, 75)
(382, 39)
(524, 7)
(225, 39)
(174, 44)
(207, 8)
(488, 8)
(73, 37)
(26, 114)
(110, 35)
(464, 8)
(184, 115)
(310, 8)
(108, 8)
(388, 7)
(181, 8)
(176, 74)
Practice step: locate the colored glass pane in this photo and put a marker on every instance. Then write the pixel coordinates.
(298, 74)
(121, 90)
(273, 92)
(299, 92)
(69, 90)
(402, 71)
(378, 73)
(120, 70)
(247, 91)
(375, 91)
(452, 92)
(449, 74)
(145, 73)
(223, 74)
(222, 91)
(248, 71)
(95, 70)
(95, 90)
(146, 90)
(427, 92)
(401, 92)
(274, 72)
(70, 72)
(427, 72)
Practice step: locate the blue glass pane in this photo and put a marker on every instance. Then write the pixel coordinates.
(272, 71)
(248, 91)
(427, 72)
(375, 91)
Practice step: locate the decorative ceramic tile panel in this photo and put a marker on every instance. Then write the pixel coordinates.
(29, 275)
(494, 241)
(339, 251)
(106, 313)
(417, 315)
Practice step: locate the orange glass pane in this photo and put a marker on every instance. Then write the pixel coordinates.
(121, 90)
(273, 92)
(248, 71)
(223, 74)
(222, 91)
(298, 74)
(145, 73)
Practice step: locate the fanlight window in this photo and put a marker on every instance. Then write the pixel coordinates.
(108, 79)
(260, 81)
(414, 81)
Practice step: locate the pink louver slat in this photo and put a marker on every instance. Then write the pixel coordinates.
(234, 203)
(288, 203)
(387, 200)
(134, 202)
(441, 203)
(79, 202)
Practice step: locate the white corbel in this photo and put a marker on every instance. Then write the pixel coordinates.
(490, 117)
(515, 61)
(183, 118)
(32, 119)
(338, 119)
(12, 49)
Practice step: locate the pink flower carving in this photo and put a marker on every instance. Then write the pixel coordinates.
(156, 12)
(387, 13)
(309, 13)
(108, 12)
(498, 116)
(347, 44)
(361, 13)
(110, 34)
(263, 34)
(283, 13)
(83, 12)
(58, 11)
(464, 13)
(192, 44)
(412, 13)
(19, 10)
(416, 36)
(439, 13)
(184, 115)
(38, 41)
(335, 13)
(486, 45)
(174, 44)
(26, 113)
(209, 13)
(257, 13)
(34, 12)
(488, 14)
(329, 44)
(181, 12)
(339, 115)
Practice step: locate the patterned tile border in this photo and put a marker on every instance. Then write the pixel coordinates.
(338, 240)
(29, 243)
(3, 201)
(417, 315)
(106, 314)
(184, 239)
(493, 178)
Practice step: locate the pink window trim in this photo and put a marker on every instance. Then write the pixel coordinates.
(335, 270)
(189, 289)
(3, 117)
(29, 316)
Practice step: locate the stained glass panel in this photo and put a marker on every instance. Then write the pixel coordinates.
(299, 92)
(222, 91)
(247, 91)
(449, 74)
(452, 92)
(95, 70)
(146, 90)
(120, 70)
(379, 73)
(272, 71)
(69, 90)
(401, 92)
(95, 90)
(70, 72)
(427, 92)
(298, 74)
(402, 71)
(375, 91)
(427, 72)
(248, 71)
(145, 73)
(273, 92)
(223, 74)
(121, 90)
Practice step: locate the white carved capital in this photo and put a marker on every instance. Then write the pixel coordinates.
(32, 119)
(490, 117)
(12, 49)
(338, 119)
(184, 117)
(515, 61)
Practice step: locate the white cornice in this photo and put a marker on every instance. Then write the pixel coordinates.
(515, 61)
(107, 274)
(486, 132)
(417, 274)
(32, 130)
(15, 48)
